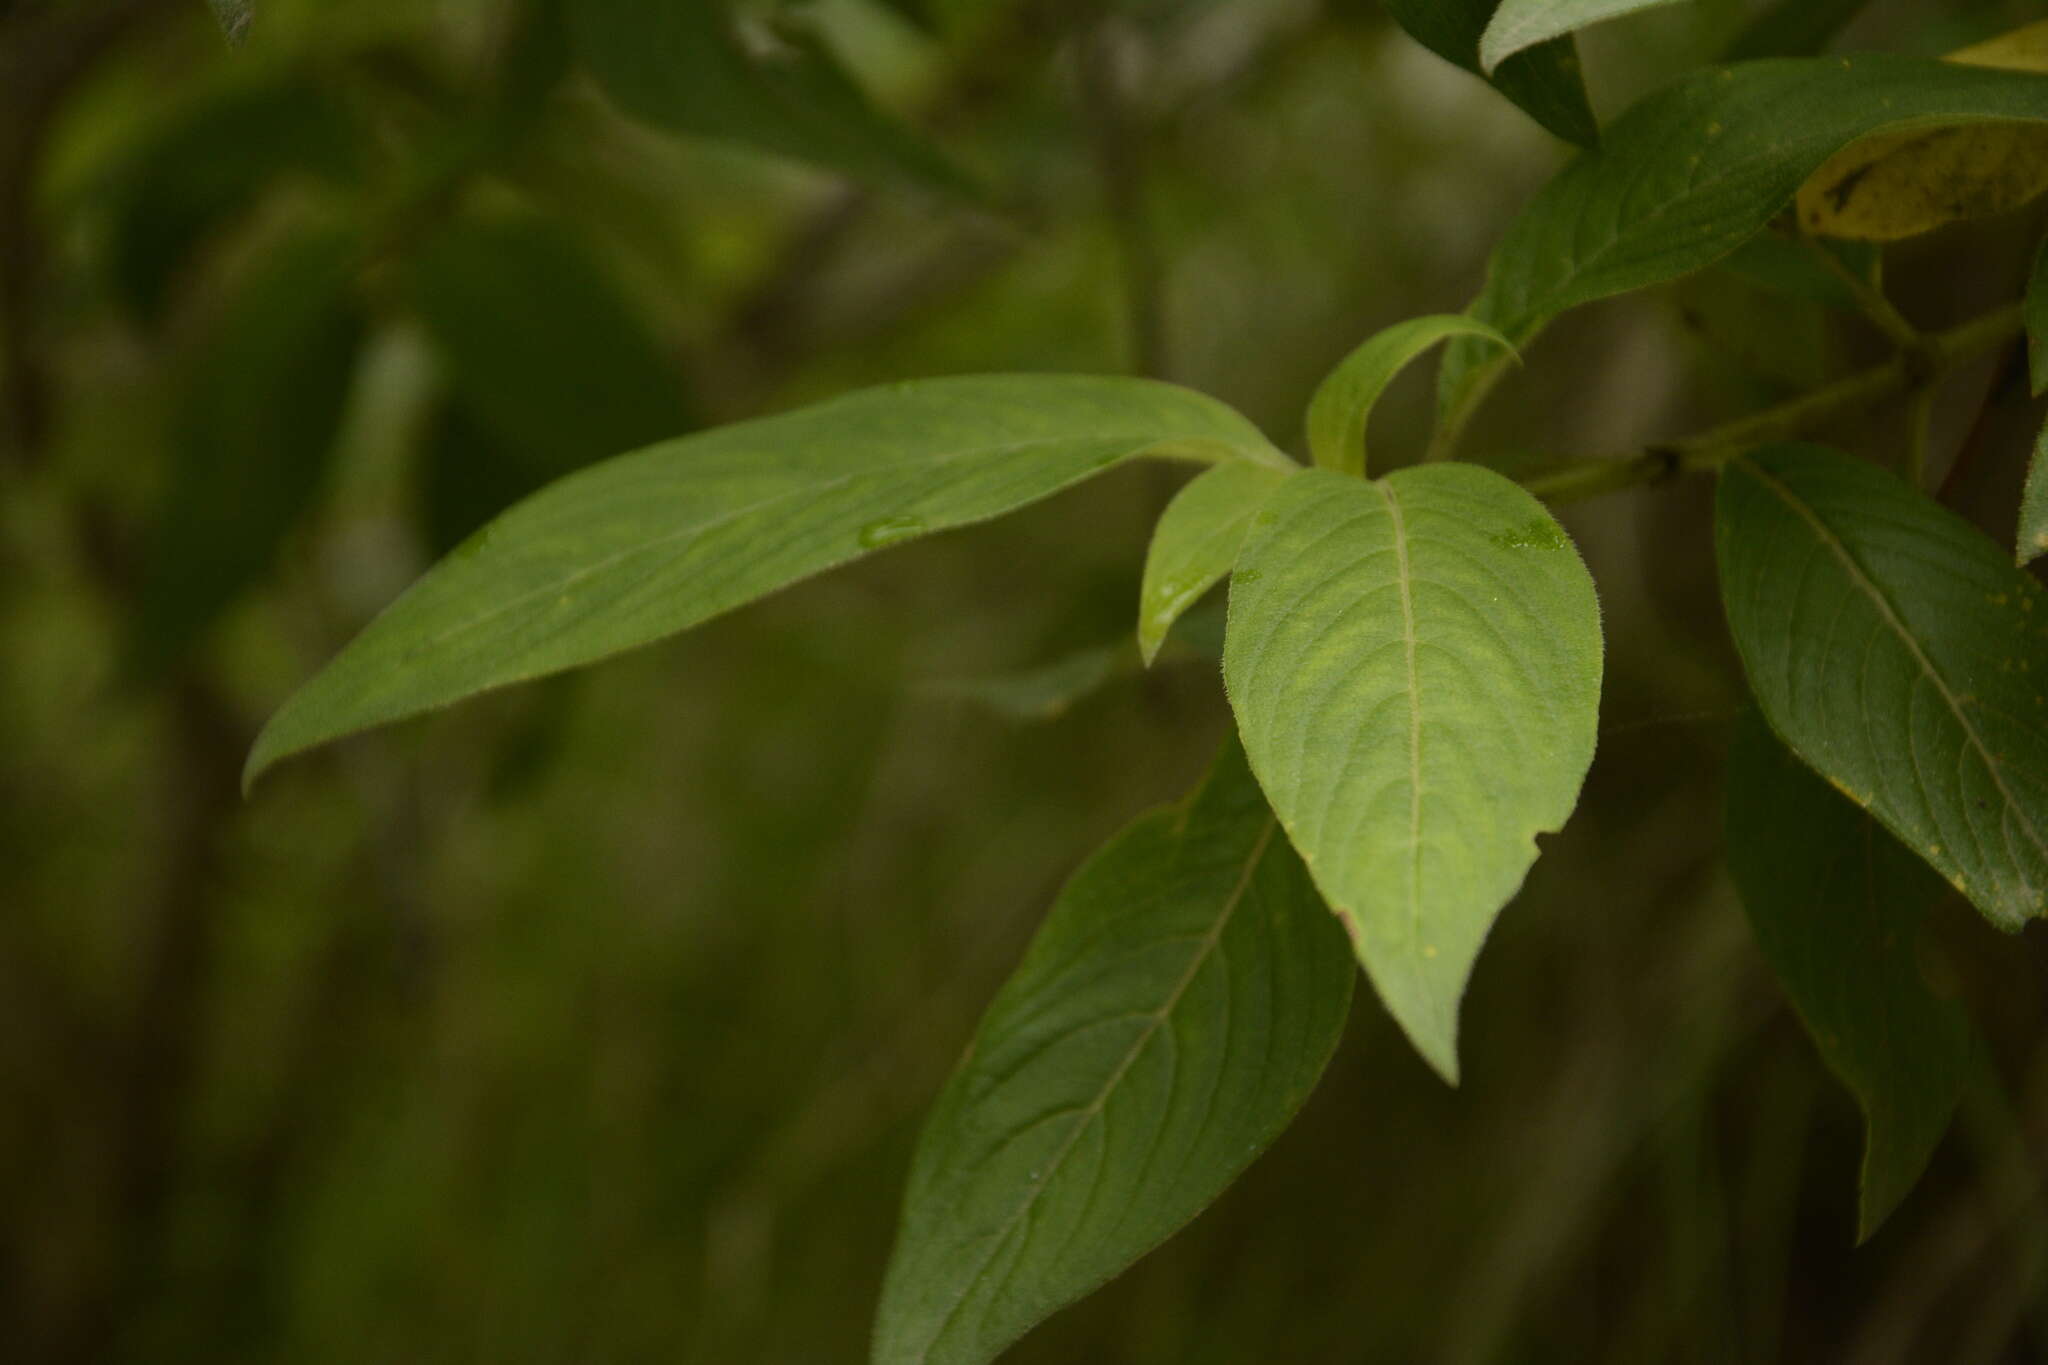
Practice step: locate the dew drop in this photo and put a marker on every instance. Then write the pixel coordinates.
(890, 530)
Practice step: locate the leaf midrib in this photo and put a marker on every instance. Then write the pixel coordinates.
(1862, 581)
(1090, 1112)
(1408, 644)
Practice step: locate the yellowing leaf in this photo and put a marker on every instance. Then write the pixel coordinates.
(1902, 184)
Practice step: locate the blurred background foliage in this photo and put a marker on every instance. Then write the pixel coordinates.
(594, 1021)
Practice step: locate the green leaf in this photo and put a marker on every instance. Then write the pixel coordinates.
(261, 406)
(1795, 270)
(1692, 172)
(197, 170)
(1343, 403)
(1044, 692)
(1837, 905)
(647, 544)
(704, 68)
(2032, 541)
(1793, 28)
(551, 368)
(234, 18)
(1415, 668)
(1544, 81)
(1196, 542)
(1173, 1013)
(1900, 653)
(1521, 24)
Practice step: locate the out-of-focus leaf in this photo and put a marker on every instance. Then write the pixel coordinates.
(1793, 28)
(1196, 542)
(1045, 692)
(260, 411)
(1694, 171)
(234, 17)
(1900, 653)
(1836, 905)
(1518, 25)
(1415, 668)
(1899, 185)
(2037, 322)
(1791, 268)
(1173, 1013)
(1341, 410)
(705, 68)
(1544, 81)
(650, 543)
(550, 366)
(198, 170)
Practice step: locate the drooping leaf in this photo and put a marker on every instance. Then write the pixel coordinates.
(1415, 668)
(1171, 1016)
(1339, 413)
(2032, 540)
(650, 543)
(1836, 905)
(199, 169)
(1901, 654)
(1544, 81)
(551, 368)
(234, 18)
(705, 68)
(1882, 189)
(1793, 28)
(1196, 542)
(1692, 172)
(1521, 24)
(262, 406)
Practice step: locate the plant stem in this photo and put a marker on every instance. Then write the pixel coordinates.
(1910, 371)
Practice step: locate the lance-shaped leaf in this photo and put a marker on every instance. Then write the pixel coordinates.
(1521, 24)
(706, 68)
(647, 544)
(1196, 541)
(1900, 653)
(1836, 904)
(1544, 80)
(1415, 668)
(1341, 410)
(1693, 171)
(1175, 1010)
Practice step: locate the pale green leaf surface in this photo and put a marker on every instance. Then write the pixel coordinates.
(1544, 80)
(686, 66)
(1415, 668)
(1521, 24)
(2032, 540)
(1900, 653)
(1195, 543)
(1692, 172)
(1174, 1011)
(1836, 905)
(643, 545)
(1341, 410)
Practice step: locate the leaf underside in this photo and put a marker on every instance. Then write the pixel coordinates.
(1172, 1014)
(1898, 652)
(1543, 81)
(1521, 24)
(1837, 904)
(1415, 668)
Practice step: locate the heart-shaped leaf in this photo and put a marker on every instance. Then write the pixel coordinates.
(1415, 668)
